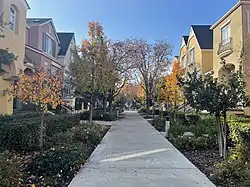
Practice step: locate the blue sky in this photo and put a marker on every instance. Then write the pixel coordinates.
(148, 19)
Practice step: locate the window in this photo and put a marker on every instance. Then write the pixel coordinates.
(191, 56)
(183, 61)
(12, 18)
(49, 45)
(225, 34)
(248, 21)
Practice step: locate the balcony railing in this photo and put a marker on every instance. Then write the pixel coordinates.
(225, 47)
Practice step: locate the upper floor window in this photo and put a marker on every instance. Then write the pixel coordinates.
(49, 45)
(183, 61)
(191, 56)
(225, 34)
(248, 21)
(12, 23)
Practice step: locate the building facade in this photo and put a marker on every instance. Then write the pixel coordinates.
(231, 43)
(197, 49)
(65, 57)
(14, 13)
(42, 45)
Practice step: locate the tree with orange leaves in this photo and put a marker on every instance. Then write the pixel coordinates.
(40, 89)
(171, 91)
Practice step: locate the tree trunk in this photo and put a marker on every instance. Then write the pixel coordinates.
(224, 135)
(110, 104)
(91, 109)
(104, 103)
(220, 139)
(41, 132)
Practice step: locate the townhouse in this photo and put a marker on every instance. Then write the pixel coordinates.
(51, 51)
(197, 49)
(14, 13)
(65, 57)
(231, 43)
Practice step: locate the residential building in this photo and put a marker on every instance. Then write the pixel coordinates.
(42, 45)
(231, 42)
(65, 57)
(197, 49)
(14, 13)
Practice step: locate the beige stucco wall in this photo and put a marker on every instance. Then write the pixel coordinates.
(235, 19)
(207, 60)
(183, 51)
(246, 43)
(15, 41)
(192, 43)
(203, 58)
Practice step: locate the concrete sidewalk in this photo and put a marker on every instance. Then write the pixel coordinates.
(134, 154)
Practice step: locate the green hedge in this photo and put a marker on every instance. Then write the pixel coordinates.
(17, 117)
(23, 135)
(99, 115)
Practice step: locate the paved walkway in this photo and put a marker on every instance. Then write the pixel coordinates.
(134, 154)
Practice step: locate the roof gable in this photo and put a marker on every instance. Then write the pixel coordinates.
(41, 22)
(65, 40)
(184, 41)
(38, 21)
(203, 35)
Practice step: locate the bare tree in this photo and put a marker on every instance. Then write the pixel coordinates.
(118, 55)
(151, 61)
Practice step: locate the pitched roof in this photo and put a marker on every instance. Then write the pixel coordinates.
(204, 36)
(27, 4)
(185, 39)
(38, 21)
(65, 39)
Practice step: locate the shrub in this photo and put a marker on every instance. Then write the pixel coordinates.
(10, 174)
(236, 167)
(89, 134)
(194, 143)
(99, 115)
(57, 164)
(18, 117)
(159, 123)
(23, 135)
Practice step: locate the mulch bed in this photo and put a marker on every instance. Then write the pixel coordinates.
(206, 161)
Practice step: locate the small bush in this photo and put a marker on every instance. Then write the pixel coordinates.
(89, 134)
(194, 143)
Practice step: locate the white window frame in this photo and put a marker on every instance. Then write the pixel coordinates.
(248, 21)
(226, 40)
(12, 16)
(191, 60)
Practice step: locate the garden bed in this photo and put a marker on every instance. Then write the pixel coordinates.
(65, 152)
(199, 145)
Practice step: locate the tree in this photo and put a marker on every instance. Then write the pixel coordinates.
(173, 93)
(90, 68)
(6, 57)
(40, 89)
(217, 97)
(151, 61)
(119, 55)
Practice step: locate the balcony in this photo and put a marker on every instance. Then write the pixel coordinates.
(225, 47)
